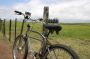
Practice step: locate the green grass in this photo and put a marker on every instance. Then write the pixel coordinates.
(76, 36)
(76, 31)
(80, 31)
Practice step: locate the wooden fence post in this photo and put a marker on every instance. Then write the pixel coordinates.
(10, 31)
(46, 14)
(4, 32)
(45, 18)
(0, 24)
(15, 27)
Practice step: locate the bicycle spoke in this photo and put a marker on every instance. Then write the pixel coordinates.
(60, 53)
(50, 54)
(55, 54)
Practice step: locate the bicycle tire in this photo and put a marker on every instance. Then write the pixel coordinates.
(15, 47)
(64, 48)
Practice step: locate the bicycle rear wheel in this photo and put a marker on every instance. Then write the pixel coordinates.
(20, 49)
(59, 51)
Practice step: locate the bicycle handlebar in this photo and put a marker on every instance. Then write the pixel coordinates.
(18, 12)
(26, 15)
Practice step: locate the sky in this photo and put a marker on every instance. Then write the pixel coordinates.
(64, 10)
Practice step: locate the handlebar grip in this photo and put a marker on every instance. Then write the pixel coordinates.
(17, 12)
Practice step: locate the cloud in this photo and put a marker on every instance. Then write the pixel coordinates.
(33, 6)
(71, 10)
(62, 9)
(4, 12)
(67, 9)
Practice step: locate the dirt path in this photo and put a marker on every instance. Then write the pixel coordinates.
(5, 50)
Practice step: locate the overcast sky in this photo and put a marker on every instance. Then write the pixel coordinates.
(62, 9)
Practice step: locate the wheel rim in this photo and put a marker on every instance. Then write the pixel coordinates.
(58, 54)
(19, 49)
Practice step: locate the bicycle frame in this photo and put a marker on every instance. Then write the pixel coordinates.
(44, 41)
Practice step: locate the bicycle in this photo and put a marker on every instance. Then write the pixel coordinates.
(21, 46)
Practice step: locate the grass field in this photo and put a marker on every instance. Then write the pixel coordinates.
(76, 36)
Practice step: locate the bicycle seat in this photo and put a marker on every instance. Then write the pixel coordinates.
(53, 28)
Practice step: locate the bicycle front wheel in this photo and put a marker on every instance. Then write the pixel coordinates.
(20, 49)
(59, 51)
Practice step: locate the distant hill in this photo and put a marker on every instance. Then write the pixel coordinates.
(74, 21)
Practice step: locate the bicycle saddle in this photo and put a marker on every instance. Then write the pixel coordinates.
(53, 28)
